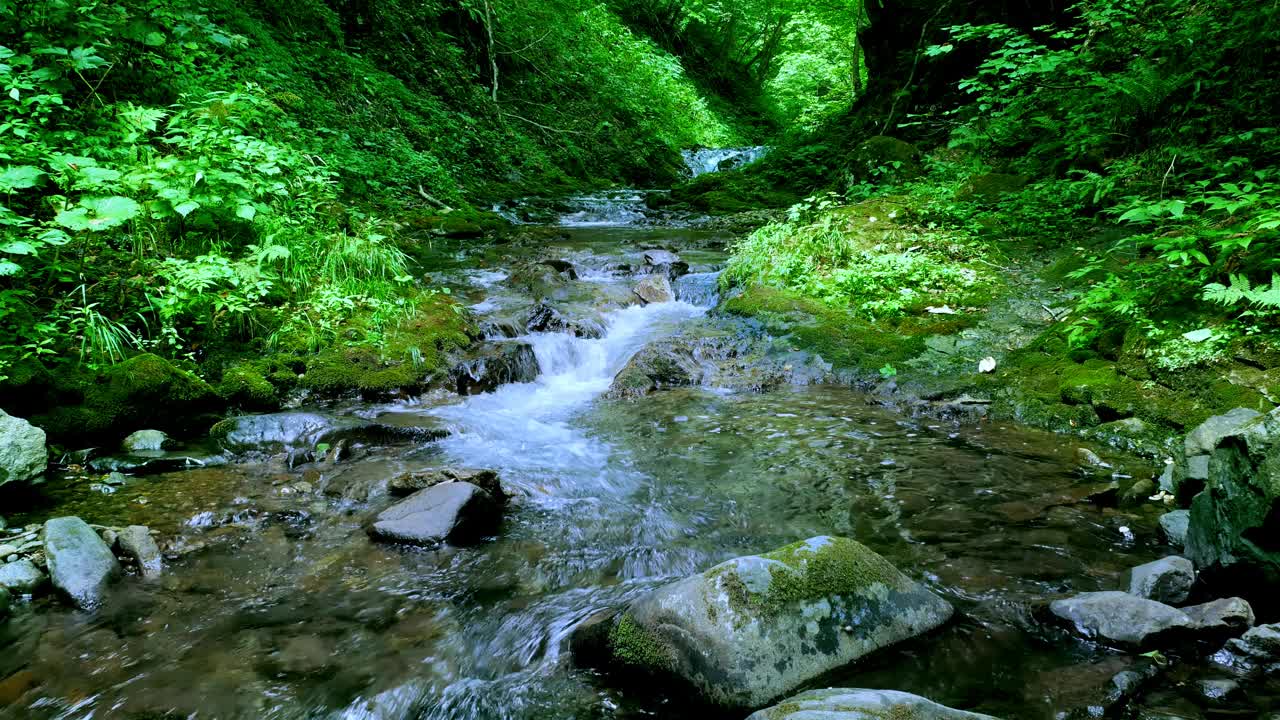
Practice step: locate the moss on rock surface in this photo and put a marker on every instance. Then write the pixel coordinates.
(755, 627)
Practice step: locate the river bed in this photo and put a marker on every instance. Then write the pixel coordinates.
(276, 604)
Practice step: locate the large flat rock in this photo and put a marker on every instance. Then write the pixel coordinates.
(457, 512)
(858, 704)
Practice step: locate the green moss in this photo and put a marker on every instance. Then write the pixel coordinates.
(634, 646)
(246, 386)
(814, 569)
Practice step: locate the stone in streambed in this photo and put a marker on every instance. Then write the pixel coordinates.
(411, 482)
(753, 628)
(136, 542)
(458, 512)
(859, 704)
(654, 289)
(664, 262)
(22, 450)
(145, 440)
(1174, 526)
(80, 563)
(1122, 618)
(1167, 580)
(21, 577)
(1228, 616)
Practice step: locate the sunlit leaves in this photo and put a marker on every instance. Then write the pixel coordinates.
(97, 214)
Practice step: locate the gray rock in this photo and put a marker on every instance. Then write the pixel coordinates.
(1235, 519)
(143, 440)
(455, 511)
(1257, 649)
(1218, 692)
(494, 364)
(22, 450)
(1198, 467)
(1121, 618)
(1167, 580)
(545, 318)
(136, 542)
(654, 289)
(1174, 526)
(660, 257)
(299, 433)
(21, 577)
(80, 564)
(665, 263)
(753, 628)
(411, 482)
(1228, 615)
(1206, 437)
(857, 704)
(1263, 641)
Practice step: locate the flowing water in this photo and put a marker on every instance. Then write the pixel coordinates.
(708, 160)
(275, 604)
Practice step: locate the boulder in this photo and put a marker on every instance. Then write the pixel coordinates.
(299, 433)
(1167, 580)
(545, 318)
(411, 482)
(80, 563)
(1226, 616)
(145, 440)
(540, 281)
(1174, 526)
(21, 577)
(1205, 438)
(670, 362)
(458, 512)
(753, 628)
(1234, 528)
(135, 541)
(654, 289)
(22, 450)
(494, 364)
(664, 262)
(1121, 618)
(858, 704)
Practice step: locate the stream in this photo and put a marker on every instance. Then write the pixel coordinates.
(276, 604)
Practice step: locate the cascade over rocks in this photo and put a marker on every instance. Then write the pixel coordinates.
(22, 450)
(754, 628)
(857, 704)
(495, 364)
(545, 318)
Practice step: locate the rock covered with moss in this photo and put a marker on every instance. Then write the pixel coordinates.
(1234, 528)
(860, 704)
(754, 628)
(22, 451)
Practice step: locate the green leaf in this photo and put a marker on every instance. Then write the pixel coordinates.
(18, 247)
(154, 39)
(247, 212)
(54, 236)
(20, 177)
(1198, 335)
(98, 176)
(9, 268)
(15, 94)
(186, 208)
(75, 219)
(111, 211)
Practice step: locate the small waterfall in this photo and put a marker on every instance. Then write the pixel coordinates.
(701, 289)
(625, 207)
(709, 160)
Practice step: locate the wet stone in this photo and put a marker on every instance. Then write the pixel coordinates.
(1121, 618)
(411, 482)
(858, 704)
(1226, 616)
(1167, 580)
(1217, 692)
(143, 440)
(80, 563)
(21, 577)
(654, 289)
(136, 542)
(1174, 526)
(456, 511)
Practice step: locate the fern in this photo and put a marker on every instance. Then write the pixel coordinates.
(1242, 291)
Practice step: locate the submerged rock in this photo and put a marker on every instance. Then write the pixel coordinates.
(80, 563)
(857, 704)
(455, 511)
(753, 628)
(135, 541)
(654, 289)
(144, 440)
(21, 577)
(22, 450)
(1167, 580)
(1122, 618)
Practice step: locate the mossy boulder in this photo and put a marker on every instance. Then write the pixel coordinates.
(463, 223)
(860, 704)
(1234, 530)
(247, 387)
(145, 390)
(754, 628)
